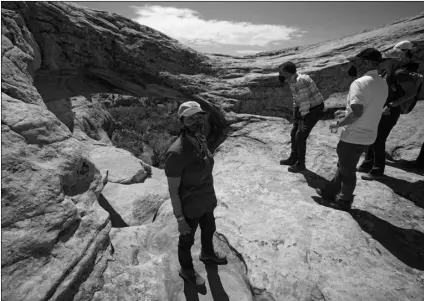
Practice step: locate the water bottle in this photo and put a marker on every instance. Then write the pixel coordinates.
(334, 130)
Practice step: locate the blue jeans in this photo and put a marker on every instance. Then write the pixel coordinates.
(344, 181)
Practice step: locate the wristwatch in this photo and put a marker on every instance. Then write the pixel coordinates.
(180, 218)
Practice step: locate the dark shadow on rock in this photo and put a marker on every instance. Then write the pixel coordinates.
(314, 180)
(406, 244)
(115, 219)
(413, 191)
(191, 292)
(405, 165)
(217, 290)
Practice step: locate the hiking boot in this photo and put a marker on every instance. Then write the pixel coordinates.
(341, 204)
(324, 196)
(373, 175)
(216, 258)
(297, 168)
(289, 161)
(192, 277)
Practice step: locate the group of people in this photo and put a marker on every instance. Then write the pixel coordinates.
(387, 85)
(373, 107)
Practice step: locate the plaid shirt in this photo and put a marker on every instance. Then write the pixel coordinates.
(305, 93)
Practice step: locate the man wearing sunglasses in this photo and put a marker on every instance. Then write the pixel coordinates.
(407, 47)
(188, 168)
(402, 89)
(308, 105)
(365, 102)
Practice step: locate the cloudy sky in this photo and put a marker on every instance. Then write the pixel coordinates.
(240, 28)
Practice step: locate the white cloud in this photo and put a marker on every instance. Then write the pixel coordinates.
(189, 27)
(248, 51)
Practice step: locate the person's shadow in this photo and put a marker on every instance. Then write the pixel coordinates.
(217, 290)
(413, 191)
(406, 244)
(402, 164)
(314, 180)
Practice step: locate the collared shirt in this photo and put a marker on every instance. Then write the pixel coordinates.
(196, 189)
(305, 93)
(371, 92)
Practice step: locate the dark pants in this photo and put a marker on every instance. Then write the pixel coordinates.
(344, 181)
(375, 156)
(207, 227)
(299, 135)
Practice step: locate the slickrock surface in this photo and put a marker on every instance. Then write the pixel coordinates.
(83, 220)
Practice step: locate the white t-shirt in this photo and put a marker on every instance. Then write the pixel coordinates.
(371, 91)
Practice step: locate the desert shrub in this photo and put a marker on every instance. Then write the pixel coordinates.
(138, 125)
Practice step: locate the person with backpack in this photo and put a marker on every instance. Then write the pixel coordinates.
(410, 65)
(308, 104)
(407, 47)
(403, 87)
(365, 102)
(188, 167)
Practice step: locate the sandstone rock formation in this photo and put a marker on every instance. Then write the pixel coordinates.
(82, 220)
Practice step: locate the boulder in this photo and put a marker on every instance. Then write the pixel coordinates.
(145, 265)
(92, 120)
(123, 167)
(136, 204)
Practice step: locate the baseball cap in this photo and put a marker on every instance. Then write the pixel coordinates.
(404, 45)
(394, 53)
(369, 54)
(189, 108)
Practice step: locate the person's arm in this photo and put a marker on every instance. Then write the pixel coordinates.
(356, 100)
(410, 91)
(173, 170)
(173, 185)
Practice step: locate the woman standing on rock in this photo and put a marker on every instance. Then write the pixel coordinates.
(188, 167)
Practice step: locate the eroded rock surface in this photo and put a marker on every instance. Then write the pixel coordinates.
(57, 242)
(137, 204)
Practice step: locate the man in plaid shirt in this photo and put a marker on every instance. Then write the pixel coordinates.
(308, 104)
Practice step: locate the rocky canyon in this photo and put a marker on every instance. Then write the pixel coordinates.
(84, 220)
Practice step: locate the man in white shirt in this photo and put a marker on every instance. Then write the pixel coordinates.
(365, 102)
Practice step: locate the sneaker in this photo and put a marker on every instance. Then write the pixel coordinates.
(289, 161)
(372, 176)
(297, 168)
(216, 258)
(324, 196)
(192, 277)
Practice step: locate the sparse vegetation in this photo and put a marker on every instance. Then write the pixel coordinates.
(140, 128)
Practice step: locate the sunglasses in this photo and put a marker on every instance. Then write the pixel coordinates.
(195, 118)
